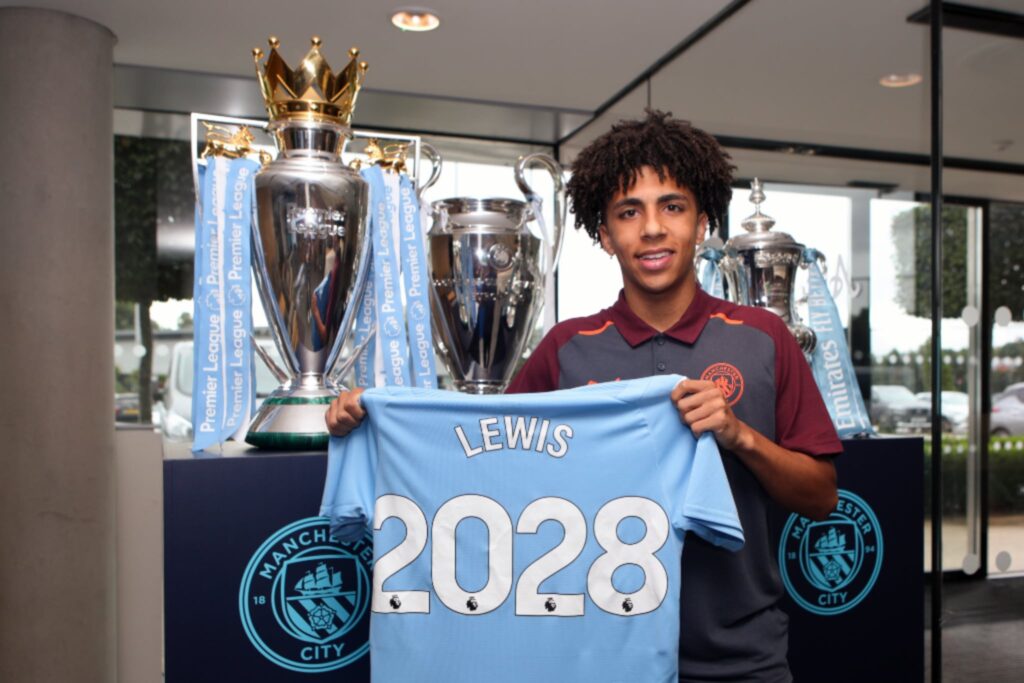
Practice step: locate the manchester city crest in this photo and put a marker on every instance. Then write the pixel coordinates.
(304, 598)
(829, 567)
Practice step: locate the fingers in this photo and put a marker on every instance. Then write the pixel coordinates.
(708, 397)
(353, 405)
(707, 411)
(691, 386)
(701, 406)
(345, 413)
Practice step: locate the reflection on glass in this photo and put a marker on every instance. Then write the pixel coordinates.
(901, 395)
(1006, 380)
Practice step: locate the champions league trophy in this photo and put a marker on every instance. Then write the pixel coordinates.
(760, 269)
(487, 274)
(309, 248)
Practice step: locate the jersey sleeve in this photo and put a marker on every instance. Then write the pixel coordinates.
(348, 498)
(708, 508)
(802, 422)
(696, 488)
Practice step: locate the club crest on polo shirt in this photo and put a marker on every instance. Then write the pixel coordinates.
(304, 598)
(727, 378)
(829, 567)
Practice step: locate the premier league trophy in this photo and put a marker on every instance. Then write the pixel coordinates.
(760, 269)
(488, 273)
(310, 253)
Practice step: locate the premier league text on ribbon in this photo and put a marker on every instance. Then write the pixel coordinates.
(396, 297)
(389, 300)
(414, 278)
(223, 362)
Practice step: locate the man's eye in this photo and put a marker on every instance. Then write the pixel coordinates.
(676, 208)
(627, 213)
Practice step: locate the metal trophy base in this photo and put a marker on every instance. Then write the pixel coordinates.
(479, 387)
(292, 420)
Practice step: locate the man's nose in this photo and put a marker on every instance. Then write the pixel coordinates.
(652, 226)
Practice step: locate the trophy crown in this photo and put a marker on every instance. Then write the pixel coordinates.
(758, 222)
(390, 157)
(313, 91)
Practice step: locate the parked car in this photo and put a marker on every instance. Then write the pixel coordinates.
(1007, 417)
(894, 408)
(176, 407)
(128, 410)
(955, 409)
(126, 407)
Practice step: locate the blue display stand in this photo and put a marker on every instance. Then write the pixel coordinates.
(255, 590)
(855, 583)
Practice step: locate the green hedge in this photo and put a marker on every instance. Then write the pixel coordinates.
(1005, 475)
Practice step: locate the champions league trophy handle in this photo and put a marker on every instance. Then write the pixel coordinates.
(430, 152)
(555, 169)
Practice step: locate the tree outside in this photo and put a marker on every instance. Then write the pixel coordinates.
(152, 180)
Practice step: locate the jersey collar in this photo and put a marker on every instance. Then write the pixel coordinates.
(687, 329)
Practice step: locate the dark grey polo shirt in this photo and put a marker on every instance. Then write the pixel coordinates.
(731, 626)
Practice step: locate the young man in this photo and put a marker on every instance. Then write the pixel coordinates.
(648, 191)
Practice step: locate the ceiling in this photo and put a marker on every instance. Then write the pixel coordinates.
(568, 54)
(786, 71)
(806, 73)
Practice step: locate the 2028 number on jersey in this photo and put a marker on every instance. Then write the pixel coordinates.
(529, 601)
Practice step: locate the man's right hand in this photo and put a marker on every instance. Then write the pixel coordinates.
(345, 413)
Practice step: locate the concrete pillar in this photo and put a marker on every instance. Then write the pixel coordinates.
(56, 321)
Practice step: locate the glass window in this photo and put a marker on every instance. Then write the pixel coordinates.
(155, 242)
(1006, 378)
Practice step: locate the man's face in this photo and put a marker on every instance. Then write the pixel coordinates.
(653, 229)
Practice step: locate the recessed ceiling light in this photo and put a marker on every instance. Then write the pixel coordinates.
(899, 80)
(415, 19)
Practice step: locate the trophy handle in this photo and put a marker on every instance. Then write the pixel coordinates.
(344, 367)
(430, 152)
(276, 370)
(359, 288)
(259, 264)
(555, 169)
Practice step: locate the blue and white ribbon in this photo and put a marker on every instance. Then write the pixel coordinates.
(223, 387)
(711, 275)
(830, 363)
(397, 298)
(415, 277)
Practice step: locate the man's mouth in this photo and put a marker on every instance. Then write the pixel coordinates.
(655, 260)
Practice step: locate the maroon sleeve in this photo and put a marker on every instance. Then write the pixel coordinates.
(540, 372)
(802, 422)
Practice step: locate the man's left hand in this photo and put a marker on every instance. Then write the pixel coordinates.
(703, 407)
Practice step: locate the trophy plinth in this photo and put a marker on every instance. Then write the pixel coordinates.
(760, 269)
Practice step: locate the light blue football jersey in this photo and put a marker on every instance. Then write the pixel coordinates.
(530, 537)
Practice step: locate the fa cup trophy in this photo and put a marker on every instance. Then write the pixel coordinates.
(760, 269)
(310, 253)
(488, 273)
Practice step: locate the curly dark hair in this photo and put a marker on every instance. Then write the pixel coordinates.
(674, 148)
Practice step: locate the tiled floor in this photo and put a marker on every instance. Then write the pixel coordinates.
(983, 632)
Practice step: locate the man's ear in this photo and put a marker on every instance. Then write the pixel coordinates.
(606, 244)
(702, 227)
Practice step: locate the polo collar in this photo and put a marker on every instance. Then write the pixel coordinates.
(687, 329)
